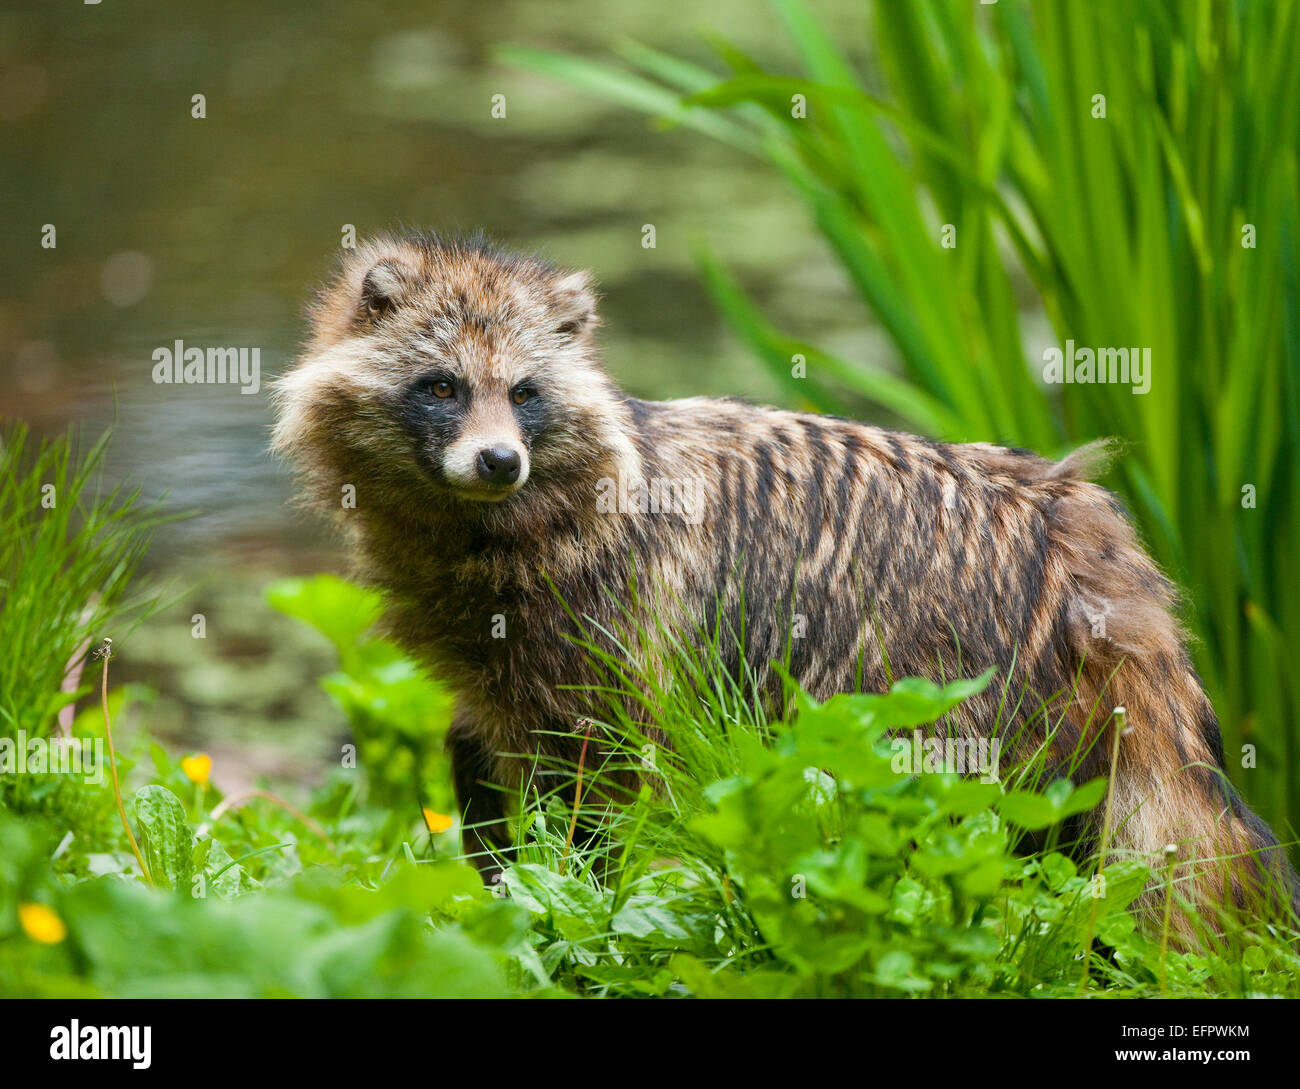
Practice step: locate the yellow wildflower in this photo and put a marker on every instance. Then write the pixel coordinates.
(197, 768)
(41, 924)
(436, 822)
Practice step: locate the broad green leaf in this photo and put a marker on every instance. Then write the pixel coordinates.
(165, 837)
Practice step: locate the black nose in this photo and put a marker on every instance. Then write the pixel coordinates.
(497, 465)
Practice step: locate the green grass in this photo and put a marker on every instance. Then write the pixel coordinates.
(1124, 230)
(68, 550)
(762, 858)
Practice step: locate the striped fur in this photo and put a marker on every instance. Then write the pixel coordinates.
(898, 555)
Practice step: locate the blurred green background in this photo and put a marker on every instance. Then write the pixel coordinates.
(815, 235)
(325, 114)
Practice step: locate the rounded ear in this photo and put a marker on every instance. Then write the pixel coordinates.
(574, 302)
(384, 287)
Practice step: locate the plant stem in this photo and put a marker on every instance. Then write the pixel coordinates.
(112, 767)
(1121, 724)
(1171, 854)
(577, 798)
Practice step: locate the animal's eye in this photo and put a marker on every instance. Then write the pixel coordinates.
(443, 389)
(566, 328)
(520, 394)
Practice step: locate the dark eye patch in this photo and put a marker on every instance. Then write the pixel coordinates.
(426, 417)
(534, 416)
(432, 424)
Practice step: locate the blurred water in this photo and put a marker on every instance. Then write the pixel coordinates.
(214, 230)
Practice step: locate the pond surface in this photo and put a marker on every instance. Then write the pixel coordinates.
(214, 230)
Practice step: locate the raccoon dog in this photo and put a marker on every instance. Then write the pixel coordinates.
(504, 486)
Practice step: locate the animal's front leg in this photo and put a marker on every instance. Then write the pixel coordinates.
(485, 831)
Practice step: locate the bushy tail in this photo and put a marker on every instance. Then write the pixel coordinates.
(1176, 810)
(1170, 787)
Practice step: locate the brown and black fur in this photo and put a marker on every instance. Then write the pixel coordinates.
(903, 556)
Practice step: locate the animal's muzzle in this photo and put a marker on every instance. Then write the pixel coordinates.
(497, 465)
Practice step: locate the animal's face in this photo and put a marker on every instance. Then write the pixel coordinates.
(477, 370)
(490, 359)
